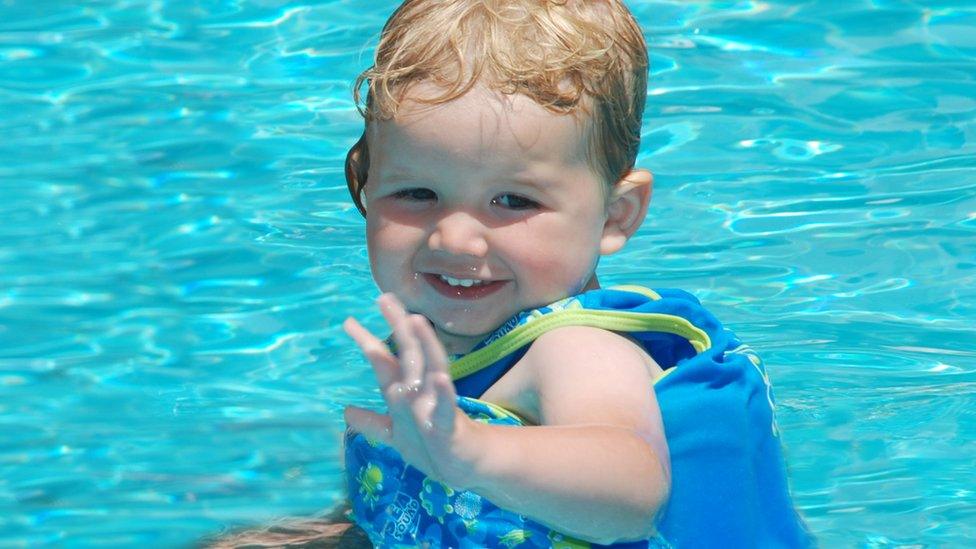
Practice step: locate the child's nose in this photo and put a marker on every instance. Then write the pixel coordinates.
(459, 233)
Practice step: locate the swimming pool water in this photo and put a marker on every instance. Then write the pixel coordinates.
(177, 251)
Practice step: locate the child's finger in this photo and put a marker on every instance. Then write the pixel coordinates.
(435, 357)
(437, 376)
(383, 362)
(445, 408)
(411, 359)
(375, 426)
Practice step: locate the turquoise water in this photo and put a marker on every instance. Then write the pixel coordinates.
(177, 251)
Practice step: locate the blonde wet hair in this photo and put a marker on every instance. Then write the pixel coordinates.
(570, 56)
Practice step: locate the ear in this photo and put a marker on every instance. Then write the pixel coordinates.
(357, 168)
(628, 205)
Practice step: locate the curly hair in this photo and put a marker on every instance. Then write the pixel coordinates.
(569, 56)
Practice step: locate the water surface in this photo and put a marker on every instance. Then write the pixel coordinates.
(177, 252)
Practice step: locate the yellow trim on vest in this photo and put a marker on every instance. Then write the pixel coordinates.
(646, 292)
(664, 374)
(499, 411)
(614, 321)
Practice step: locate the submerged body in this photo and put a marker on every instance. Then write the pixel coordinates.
(718, 413)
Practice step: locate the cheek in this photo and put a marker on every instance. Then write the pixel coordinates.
(561, 261)
(385, 235)
(560, 255)
(393, 229)
(388, 245)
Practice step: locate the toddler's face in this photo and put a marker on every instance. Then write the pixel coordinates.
(480, 208)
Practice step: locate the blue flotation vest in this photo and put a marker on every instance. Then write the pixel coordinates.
(728, 476)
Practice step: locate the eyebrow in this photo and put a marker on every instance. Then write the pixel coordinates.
(401, 174)
(535, 183)
(405, 174)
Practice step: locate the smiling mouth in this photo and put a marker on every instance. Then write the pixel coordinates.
(462, 288)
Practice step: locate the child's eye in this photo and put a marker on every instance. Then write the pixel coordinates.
(417, 194)
(515, 202)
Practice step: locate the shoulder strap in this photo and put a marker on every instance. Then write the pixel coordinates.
(593, 309)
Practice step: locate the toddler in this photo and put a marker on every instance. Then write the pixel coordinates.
(496, 167)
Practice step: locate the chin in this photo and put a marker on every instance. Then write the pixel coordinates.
(448, 332)
(450, 329)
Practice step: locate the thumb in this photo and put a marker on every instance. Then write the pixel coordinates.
(374, 426)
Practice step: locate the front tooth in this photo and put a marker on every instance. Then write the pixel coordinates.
(467, 283)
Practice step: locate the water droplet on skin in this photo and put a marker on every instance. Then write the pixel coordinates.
(429, 425)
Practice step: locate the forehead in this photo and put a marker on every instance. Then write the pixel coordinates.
(482, 127)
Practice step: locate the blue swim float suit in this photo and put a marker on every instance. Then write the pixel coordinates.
(728, 476)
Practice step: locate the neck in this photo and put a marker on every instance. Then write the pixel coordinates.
(456, 344)
(592, 284)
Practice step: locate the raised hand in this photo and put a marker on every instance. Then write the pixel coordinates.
(423, 422)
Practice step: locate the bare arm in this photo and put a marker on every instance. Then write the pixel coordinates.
(596, 483)
(597, 466)
(596, 470)
(331, 531)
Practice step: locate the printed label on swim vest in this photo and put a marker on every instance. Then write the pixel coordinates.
(404, 518)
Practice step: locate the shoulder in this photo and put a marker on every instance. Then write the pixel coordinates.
(587, 348)
(583, 374)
